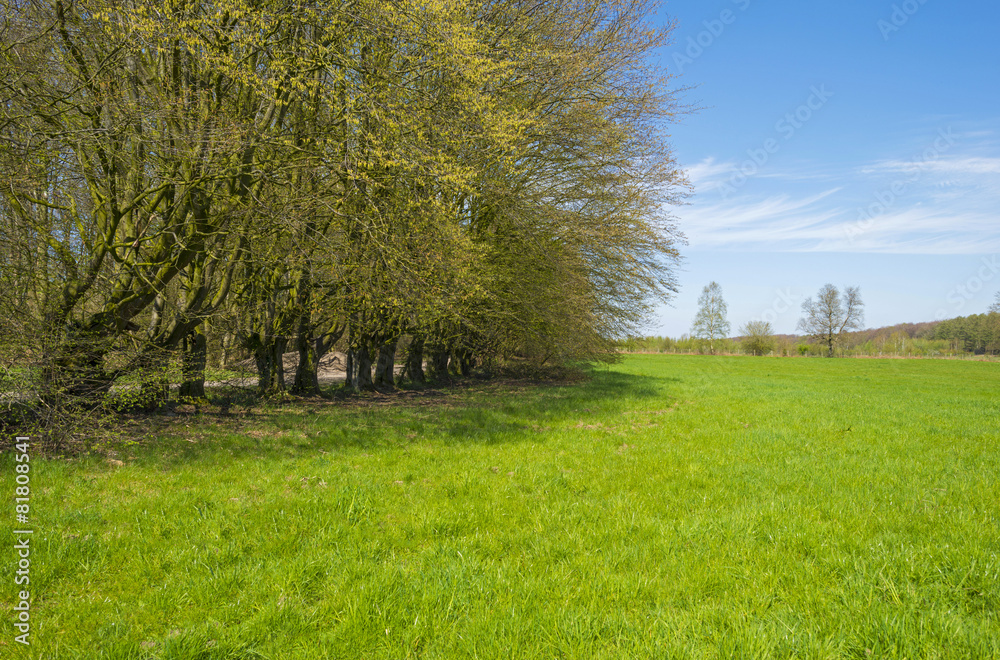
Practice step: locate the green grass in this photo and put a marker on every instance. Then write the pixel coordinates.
(671, 507)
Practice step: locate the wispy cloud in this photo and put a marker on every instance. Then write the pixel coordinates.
(945, 204)
(707, 174)
(710, 175)
(779, 223)
(971, 165)
(920, 229)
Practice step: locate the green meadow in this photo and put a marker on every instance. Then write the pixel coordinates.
(666, 507)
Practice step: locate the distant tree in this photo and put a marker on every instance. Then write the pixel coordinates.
(758, 337)
(898, 342)
(995, 307)
(977, 333)
(832, 315)
(710, 323)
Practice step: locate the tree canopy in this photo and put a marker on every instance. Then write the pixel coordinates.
(758, 337)
(711, 322)
(486, 178)
(976, 333)
(832, 315)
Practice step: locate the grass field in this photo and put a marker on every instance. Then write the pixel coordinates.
(670, 507)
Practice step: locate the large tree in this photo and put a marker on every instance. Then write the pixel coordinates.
(710, 323)
(486, 177)
(157, 127)
(831, 316)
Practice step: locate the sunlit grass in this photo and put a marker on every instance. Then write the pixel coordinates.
(672, 506)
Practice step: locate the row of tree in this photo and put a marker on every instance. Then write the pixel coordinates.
(978, 333)
(881, 342)
(485, 178)
(827, 320)
(832, 324)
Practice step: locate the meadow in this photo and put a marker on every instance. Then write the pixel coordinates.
(666, 507)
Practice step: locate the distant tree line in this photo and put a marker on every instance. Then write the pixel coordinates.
(829, 321)
(833, 325)
(978, 334)
(188, 181)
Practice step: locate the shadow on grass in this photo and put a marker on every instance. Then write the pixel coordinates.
(468, 411)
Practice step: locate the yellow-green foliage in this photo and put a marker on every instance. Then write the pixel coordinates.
(492, 175)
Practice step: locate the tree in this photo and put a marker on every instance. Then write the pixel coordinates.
(473, 179)
(758, 337)
(153, 133)
(977, 333)
(832, 315)
(995, 307)
(710, 323)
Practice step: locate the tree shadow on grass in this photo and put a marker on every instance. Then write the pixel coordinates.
(468, 411)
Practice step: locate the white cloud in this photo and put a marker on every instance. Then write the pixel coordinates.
(949, 204)
(972, 165)
(917, 230)
(778, 223)
(708, 174)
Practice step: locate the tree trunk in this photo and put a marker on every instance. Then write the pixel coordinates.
(350, 370)
(439, 364)
(385, 366)
(311, 351)
(306, 373)
(364, 369)
(463, 358)
(193, 361)
(227, 348)
(270, 368)
(415, 360)
(359, 369)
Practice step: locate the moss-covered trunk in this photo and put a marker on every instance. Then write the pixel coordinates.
(270, 368)
(193, 359)
(386, 364)
(415, 360)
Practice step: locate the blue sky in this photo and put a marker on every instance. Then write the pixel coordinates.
(850, 142)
